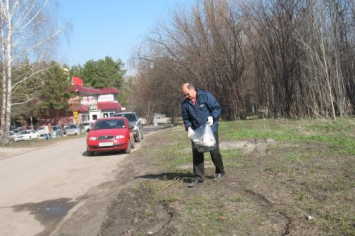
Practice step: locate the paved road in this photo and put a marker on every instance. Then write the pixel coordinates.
(39, 187)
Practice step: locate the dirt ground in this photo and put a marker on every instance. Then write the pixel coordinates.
(268, 190)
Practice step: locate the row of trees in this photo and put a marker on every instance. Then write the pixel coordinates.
(46, 93)
(290, 58)
(31, 86)
(28, 30)
(102, 73)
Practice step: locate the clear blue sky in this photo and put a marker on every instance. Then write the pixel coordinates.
(112, 28)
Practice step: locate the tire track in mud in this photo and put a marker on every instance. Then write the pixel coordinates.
(132, 211)
(266, 203)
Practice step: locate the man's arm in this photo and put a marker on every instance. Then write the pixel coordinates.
(185, 117)
(213, 107)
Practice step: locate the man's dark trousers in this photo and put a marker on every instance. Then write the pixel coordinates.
(198, 160)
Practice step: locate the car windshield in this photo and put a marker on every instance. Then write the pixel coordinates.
(40, 128)
(25, 132)
(54, 128)
(109, 124)
(72, 127)
(130, 117)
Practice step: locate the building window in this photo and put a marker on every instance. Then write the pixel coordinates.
(94, 117)
(85, 117)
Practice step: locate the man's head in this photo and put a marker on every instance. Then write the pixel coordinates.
(189, 91)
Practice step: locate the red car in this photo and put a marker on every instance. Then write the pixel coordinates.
(110, 134)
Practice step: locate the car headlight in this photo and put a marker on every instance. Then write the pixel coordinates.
(120, 136)
(92, 138)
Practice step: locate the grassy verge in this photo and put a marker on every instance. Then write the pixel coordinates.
(284, 177)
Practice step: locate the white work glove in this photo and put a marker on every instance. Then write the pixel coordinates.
(210, 120)
(190, 132)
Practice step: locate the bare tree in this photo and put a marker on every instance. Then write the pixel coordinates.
(27, 30)
(206, 46)
(288, 58)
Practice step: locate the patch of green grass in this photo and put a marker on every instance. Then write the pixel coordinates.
(337, 218)
(233, 165)
(208, 218)
(237, 199)
(169, 198)
(292, 157)
(337, 134)
(301, 196)
(232, 153)
(180, 160)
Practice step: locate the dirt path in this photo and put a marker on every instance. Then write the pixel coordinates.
(39, 186)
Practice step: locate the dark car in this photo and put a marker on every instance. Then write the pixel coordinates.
(57, 131)
(133, 120)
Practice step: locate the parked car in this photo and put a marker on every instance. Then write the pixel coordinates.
(11, 135)
(73, 130)
(86, 125)
(82, 128)
(133, 120)
(57, 131)
(27, 134)
(17, 130)
(65, 126)
(41, 131)
(110, 134)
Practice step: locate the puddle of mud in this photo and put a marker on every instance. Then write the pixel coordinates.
(49, 213)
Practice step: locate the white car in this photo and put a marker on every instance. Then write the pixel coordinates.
(41, 131)
(27, 134)
(11, 136)
(87, 125)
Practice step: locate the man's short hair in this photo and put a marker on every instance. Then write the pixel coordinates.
(190, 86)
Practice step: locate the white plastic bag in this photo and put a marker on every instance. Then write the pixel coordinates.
(203, 139)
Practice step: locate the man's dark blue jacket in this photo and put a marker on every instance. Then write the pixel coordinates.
(196, 115)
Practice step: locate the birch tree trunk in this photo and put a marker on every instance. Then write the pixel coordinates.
(27, 27)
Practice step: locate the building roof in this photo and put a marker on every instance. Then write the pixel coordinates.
(109, 90)
(88, 90)
(79, 108)
(109, 106)
(85, 90)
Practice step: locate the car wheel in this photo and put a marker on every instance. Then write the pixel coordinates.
(128, 150)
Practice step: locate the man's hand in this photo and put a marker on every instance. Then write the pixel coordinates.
(190, 132)
(210, 120)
